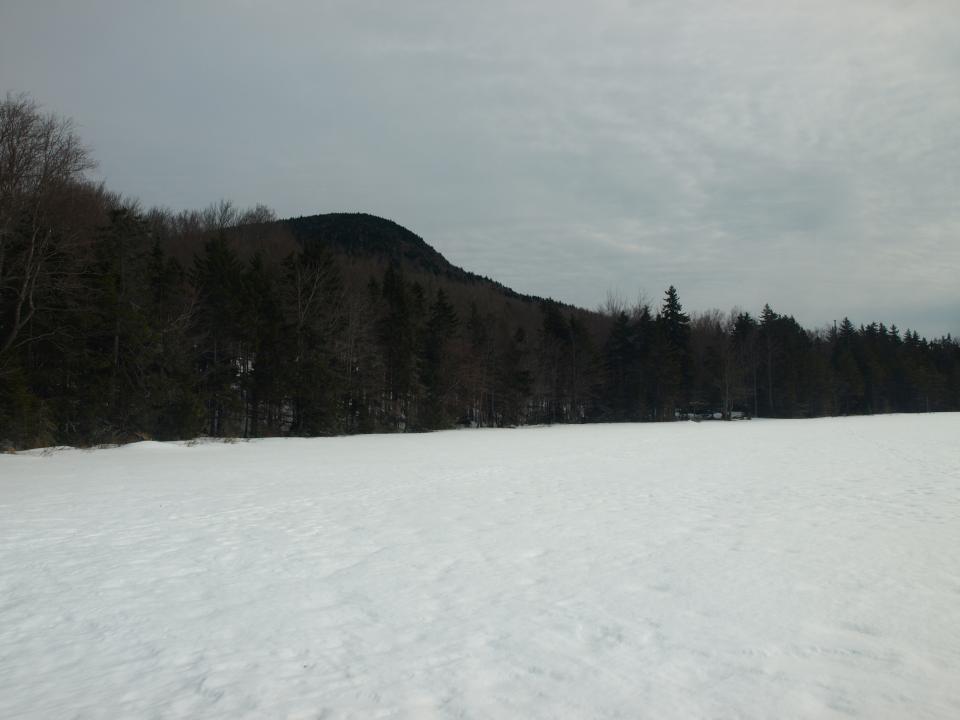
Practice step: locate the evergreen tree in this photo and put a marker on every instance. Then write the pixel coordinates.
(435, 370)
(514, 380)
(621, 390)
(770, 350)
(217, 280)
(745, 344)
(479, 366)
(671, 355)
(173, 392)
(396, 333)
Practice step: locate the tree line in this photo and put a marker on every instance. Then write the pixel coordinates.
(119, 323)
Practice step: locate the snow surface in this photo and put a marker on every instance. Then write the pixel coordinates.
(765, 569)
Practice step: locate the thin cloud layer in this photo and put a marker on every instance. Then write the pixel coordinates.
(804, 154)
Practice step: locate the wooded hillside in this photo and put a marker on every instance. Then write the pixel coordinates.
(119, 323)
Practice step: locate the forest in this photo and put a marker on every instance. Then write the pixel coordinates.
(120, 323)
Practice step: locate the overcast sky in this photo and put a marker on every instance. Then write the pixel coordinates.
(801, 153)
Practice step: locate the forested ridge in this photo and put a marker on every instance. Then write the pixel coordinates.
(120, 323)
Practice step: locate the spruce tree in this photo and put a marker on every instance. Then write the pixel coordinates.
(671, 355)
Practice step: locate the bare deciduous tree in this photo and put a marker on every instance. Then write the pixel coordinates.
(42, 161)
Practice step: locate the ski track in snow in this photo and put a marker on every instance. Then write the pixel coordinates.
(765, 569)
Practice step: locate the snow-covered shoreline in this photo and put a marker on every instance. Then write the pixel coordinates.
(764, 569)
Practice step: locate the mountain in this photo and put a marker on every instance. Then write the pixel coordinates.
(360, 236)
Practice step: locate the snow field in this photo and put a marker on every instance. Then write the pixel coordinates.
(788, 569)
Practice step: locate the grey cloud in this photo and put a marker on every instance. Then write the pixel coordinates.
(802, 154)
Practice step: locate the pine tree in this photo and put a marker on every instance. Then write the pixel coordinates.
(671, 355)
(620, 369)
(771, 347)
(434, 367)
(745, 343)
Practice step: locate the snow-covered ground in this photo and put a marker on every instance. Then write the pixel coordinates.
(765, 569)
